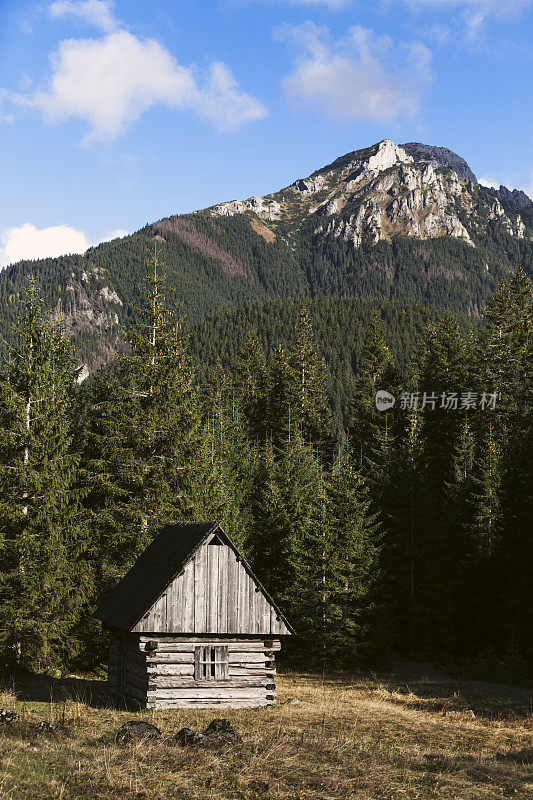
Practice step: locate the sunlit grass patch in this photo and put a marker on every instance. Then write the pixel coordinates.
(348, 737)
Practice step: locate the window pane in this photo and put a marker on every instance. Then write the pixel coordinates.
(211, 663)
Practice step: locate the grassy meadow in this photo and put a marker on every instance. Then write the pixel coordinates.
(408, 736)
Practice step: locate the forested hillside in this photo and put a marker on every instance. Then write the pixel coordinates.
(406, 533)
(340, 326)
(378, 222)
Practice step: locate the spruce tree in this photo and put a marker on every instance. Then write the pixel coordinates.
(447, 368)
(401, 520)
(350, 564)
(251, 384)
(484, 526)
(508, 373)
(45, 578)
(375, 370)
(309, 402)
(280, 403)
(284, 504)
(223, 485)
(145, 434)
(459, 511)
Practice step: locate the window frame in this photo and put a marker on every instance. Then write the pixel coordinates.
(211, 662)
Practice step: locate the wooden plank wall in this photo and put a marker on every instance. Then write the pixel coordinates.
(164, 677)
(214, 594)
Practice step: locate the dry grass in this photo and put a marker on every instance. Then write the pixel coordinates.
(349, 737)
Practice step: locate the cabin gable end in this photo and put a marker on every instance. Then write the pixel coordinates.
(215, 593)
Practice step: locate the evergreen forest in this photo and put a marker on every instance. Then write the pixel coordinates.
(399, 532)
(218, 264)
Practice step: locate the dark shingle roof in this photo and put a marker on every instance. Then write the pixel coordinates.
(153, 571)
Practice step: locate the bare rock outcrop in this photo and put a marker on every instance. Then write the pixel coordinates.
(412, 190)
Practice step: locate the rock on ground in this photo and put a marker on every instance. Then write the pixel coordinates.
(221, 731)
(136, 730)
(8, 717)
(187, 736)
(218, 732)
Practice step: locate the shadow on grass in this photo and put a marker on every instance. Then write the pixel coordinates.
(45, 689)
(437, 692)
(510, 771)
(426, 688)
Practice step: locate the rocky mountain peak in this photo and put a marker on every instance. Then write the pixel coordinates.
(368, 161)
(440, 157)
(387, 190)
(515, 200)
(381, 156)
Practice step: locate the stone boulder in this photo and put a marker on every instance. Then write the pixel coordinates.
(186, 736)
(8, 717)
(221, 731)
(136, 730)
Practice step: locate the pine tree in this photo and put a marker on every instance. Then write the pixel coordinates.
(145, 434)
(284, 503)
(314, 544)
(403, 531)
(271, 544)
(447, 368)
(42, 536)
(459, 512)
(479, 605)
(486, 500)
(508, 373)
(351, 574)
(280, 402)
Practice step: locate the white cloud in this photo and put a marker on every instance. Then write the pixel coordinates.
(111, 81)
(488, 183)
(29, 242)
(362, 76)
(117, 234)
(223, 104)
(95, 12)
(474, 13)
(5, 115)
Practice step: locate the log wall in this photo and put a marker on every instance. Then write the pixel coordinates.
(159, 672)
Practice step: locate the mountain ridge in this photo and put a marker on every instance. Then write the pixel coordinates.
(418, 166)
(440, 157)
(407, 224)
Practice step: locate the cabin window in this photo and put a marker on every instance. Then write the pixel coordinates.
(211, 663)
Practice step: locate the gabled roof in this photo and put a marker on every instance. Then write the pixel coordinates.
(155, 569)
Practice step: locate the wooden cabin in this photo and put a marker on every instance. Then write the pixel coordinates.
(190, 625)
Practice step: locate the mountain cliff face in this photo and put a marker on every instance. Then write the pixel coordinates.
(440, 157)
(407, 223)
(385, 191)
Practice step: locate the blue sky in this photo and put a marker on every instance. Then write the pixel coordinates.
(116, 114)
